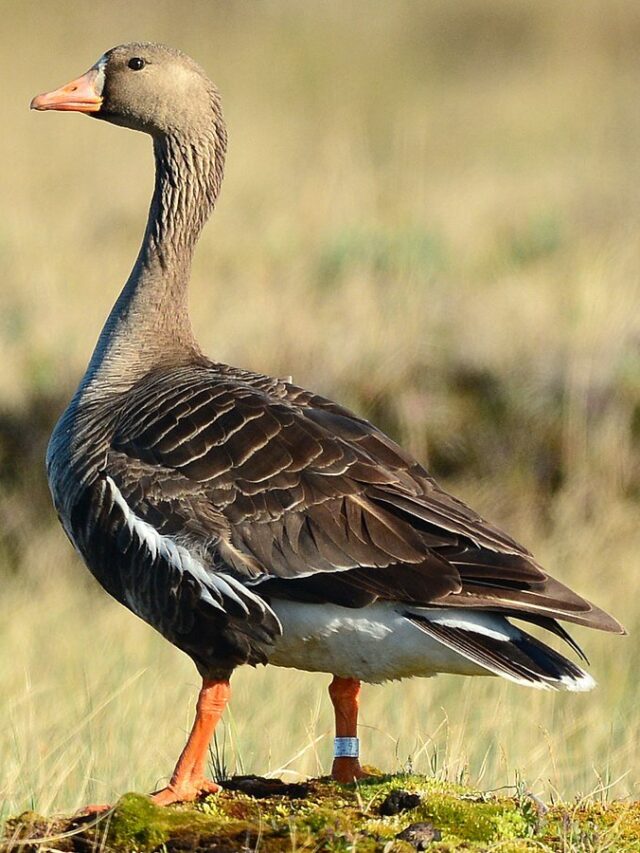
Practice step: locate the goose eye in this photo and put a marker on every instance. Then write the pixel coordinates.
(136, 64)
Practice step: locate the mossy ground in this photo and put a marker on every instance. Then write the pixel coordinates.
(323, 816)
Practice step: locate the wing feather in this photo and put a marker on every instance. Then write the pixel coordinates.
(312, 501)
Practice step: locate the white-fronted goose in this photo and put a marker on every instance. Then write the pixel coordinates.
(249, 520)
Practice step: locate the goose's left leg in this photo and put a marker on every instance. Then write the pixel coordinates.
(344, 693)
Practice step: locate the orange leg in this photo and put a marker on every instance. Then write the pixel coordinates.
(344, 693)
(188, 780)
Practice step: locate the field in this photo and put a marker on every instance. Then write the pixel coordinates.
(430, 214)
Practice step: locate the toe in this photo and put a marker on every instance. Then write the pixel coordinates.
(93, 809)
(206, 786)
(167, 796)
(184, 793)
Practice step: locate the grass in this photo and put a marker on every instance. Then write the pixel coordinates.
(431, 211)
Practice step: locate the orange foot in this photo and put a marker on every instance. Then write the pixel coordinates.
(347, 770)
(185, 791)
(88, 811)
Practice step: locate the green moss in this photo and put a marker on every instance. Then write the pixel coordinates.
(473, 820)
(137, 824)
(594, 826)
(340, 818)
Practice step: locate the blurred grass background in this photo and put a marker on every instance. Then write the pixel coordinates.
(430, 214)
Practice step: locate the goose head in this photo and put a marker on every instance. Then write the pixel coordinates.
(162, 92)
(144, 86)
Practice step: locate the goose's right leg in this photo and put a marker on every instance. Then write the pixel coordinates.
(188, 780)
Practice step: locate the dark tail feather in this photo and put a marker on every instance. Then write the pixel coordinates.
(553, 627)
(518, 657)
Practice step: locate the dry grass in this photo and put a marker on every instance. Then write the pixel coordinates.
(424, 202)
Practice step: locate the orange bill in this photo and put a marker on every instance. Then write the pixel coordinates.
(83, 95)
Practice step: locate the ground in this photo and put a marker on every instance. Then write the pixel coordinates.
(390, 814)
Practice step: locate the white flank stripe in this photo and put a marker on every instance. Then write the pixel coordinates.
(215, 585)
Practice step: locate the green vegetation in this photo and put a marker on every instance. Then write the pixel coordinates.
(430, 214)
(323, 816)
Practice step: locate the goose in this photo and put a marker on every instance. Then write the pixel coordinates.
(251, 521)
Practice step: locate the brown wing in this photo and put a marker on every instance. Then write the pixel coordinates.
(315, 503)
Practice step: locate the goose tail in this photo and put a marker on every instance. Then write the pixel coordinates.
(494, 643)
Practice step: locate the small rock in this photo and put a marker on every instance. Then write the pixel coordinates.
(398, 801)
(420, 835)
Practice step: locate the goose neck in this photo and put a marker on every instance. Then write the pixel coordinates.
(188, 178)
(149, 324)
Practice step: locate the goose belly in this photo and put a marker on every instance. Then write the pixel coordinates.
(373, 644)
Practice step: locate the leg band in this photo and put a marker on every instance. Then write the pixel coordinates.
(346, 747)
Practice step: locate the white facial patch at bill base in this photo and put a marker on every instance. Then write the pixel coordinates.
(99, 67)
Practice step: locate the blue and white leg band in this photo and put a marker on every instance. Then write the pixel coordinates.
(346, 747)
